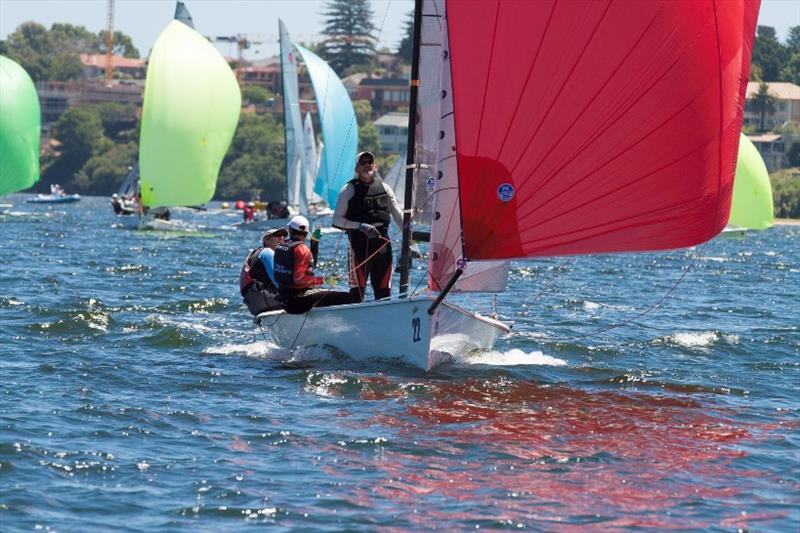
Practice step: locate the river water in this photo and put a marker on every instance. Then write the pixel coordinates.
(137, 395)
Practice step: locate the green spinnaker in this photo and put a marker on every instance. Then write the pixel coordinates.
(191, 108)
(751, 207)
(20, 128)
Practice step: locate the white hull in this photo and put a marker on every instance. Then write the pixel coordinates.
(398, 329)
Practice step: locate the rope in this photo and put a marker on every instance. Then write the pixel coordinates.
(653, 306)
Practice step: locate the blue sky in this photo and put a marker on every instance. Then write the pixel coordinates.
(143, 20)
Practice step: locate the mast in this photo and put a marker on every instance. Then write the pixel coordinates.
(405, 247)
(285, 112)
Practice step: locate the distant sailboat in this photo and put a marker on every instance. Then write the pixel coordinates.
(20, 128)
(572, 140)
(751, 207)
(190, 113)
(337, 121)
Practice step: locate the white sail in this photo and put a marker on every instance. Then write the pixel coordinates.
(293, 128)
(310, 153)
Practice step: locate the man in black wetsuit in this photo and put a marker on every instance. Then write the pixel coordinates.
(364, 209)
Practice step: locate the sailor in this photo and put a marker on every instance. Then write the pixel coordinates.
(116, 204)
(364, 208)
(257, 278)
(296, 280)
(248, 212)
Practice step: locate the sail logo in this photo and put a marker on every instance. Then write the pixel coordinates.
(430, 184)
(505, 192)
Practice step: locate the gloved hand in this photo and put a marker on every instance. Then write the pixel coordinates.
(369, 230)
(330, 280)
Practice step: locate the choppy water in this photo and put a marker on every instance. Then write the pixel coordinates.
(135, 394)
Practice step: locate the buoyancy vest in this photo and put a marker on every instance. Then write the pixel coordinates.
(284, 264)
(253, 271)
(370, 203)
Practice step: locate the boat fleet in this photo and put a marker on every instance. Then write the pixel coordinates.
(501, 165)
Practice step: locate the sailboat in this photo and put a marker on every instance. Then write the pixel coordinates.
(564, 128)
(310, 181)
(20, 128)
(752, 207)
(190, 113)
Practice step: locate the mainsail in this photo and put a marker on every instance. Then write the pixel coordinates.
(296, 162)
(20, 126)
(752, 206)
(604, 130)
(190, 112)
(339, 129)
(310, 151)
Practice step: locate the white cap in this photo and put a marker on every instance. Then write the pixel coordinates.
(115, 195)
(299, 223)
(251, 204)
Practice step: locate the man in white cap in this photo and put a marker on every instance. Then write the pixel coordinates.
(364, 209)
(296, 281)
(257, 283)
(116, 204)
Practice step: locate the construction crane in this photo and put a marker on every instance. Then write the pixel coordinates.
(243, 42)
(110, 41)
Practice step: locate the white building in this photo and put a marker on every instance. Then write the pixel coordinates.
(393, 132)
(787, 109)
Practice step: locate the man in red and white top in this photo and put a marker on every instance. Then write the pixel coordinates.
(296, 281)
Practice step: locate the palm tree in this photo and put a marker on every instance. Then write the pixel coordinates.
(764, 102)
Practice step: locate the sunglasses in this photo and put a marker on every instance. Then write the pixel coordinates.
(365, 163)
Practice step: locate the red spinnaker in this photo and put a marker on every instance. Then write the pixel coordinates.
(596, 126)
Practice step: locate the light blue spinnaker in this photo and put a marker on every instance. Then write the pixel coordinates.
(338, 124)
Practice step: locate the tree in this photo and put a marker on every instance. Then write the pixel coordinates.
(763, 102)
(791, 72)
(103, 173)
(406, 47)
(255, 162)
(123, 45)
(755, 73)
(349, 31)
(793, 40)
(55, 54)
(769, 53)
(793, 154)
(256, 95)
(363, 111)
(368, 139)
(80, 134)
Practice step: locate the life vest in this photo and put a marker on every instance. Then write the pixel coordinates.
(253, 271)
(284, 264)
(370, 203)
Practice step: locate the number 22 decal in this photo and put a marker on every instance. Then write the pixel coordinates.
(415, 329)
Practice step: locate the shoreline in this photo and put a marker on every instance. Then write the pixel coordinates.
(787, 221)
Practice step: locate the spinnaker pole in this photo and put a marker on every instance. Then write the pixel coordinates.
(405, 247)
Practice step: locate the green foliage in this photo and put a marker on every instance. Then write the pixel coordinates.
(119, 121)
(54, 54)
(368, 140)
(256, 94)
(786, 192)
(255, 162)
(793, 154)
(349, 35)
(769, 53)
(79, 130)
(123, 45)
(755, 73)
(791, 72)
(105, 171)
(405, 48)
(793, 40)
(363, 111)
